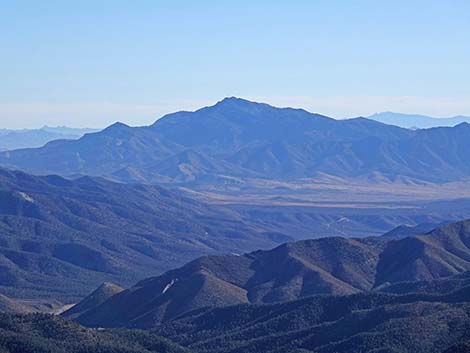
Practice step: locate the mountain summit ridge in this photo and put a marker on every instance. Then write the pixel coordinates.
(241, 139)
(417, 121)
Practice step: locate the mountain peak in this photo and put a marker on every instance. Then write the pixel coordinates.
(234, 99)
(117, 126)
(235, 102)
(98, 296)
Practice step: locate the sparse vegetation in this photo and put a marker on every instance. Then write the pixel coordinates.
(366, 322)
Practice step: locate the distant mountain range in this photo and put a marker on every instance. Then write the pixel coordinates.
(413, 121)
(31, 138)
(243, 139)
(328, 266)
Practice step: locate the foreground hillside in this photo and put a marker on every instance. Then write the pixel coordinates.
(366, 322)
(39, 333)
(359, 323)
(237, 138)
(62, 238)
(329, 266)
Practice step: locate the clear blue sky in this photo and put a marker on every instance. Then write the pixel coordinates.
(89, 63)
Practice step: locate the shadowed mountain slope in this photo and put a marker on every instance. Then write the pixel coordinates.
(358, 323)
(8, 305)
(330, 265)
(99, 296)
(41, 333)
(436, 286)
(67, 236)
(403, 231)
(443, 252)
(293, 270)
(365, 322)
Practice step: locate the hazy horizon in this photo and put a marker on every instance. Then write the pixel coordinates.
(78, 126)
(89, 64)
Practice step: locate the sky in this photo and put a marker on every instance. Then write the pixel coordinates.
(91, 63)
